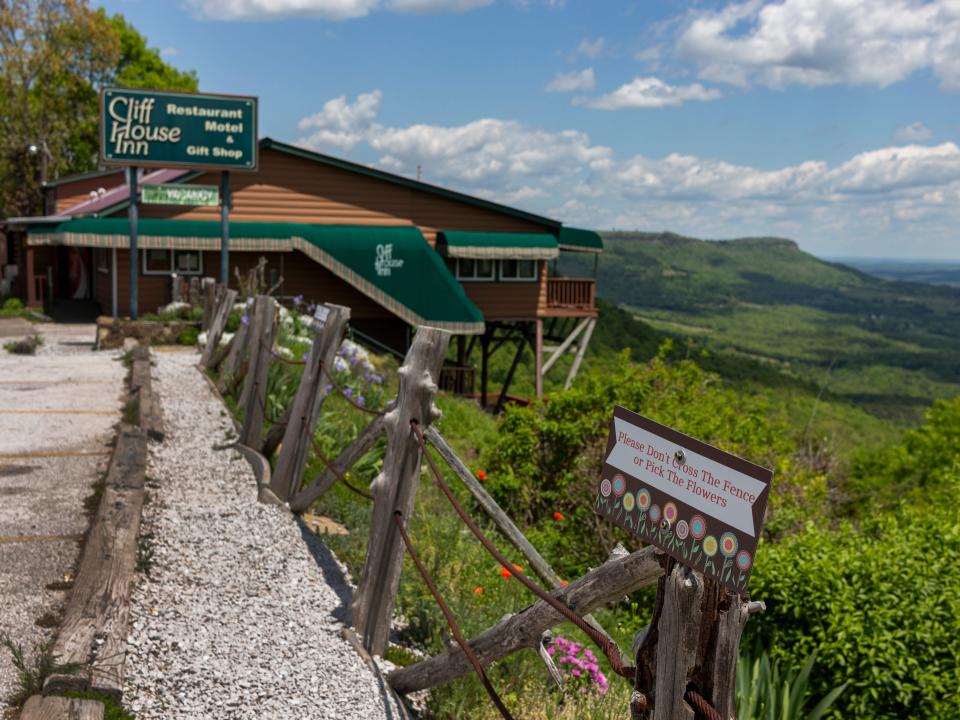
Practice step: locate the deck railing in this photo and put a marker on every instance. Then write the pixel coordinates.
(460, 380)
(571, 293)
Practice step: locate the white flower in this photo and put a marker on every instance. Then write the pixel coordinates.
(174, 307)
(339, 364)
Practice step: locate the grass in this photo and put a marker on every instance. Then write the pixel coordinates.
(33, 670)
(26, 346)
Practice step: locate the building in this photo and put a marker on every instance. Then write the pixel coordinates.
(398, 252)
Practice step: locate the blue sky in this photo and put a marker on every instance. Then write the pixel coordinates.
(832, 122)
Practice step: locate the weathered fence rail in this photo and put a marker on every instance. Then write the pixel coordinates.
(686, 658)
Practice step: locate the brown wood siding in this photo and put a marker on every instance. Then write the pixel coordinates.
(101, 282)
(292, 189)
(78, 191)
(154, 290)
(510, 300)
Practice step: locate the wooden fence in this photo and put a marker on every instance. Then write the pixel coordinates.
(682, 665)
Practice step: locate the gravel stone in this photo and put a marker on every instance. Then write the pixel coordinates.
(241, 613)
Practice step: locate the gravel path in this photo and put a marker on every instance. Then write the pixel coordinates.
(241, 613)
(57, 412)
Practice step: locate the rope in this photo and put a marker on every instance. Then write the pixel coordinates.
(607, 645)
(336, 471)
(703, 709)
(467, 650)
(348, 398)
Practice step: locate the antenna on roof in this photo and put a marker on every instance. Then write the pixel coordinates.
(418, 173)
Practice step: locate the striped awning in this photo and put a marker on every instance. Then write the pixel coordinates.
(494, 245)
(393, 266)
(579, 240)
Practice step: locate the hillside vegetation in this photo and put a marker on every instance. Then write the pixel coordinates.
(888, 347)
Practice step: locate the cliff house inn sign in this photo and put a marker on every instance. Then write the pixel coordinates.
(172, 129)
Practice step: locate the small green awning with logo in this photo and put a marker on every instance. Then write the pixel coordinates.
(507, 246)
(394, 266)
(579, 240)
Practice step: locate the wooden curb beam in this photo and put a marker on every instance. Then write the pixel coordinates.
(150, 416)
(395, 488)
(95, 625)
(598, 588)
(288, 473)
(253, 397)
(57, 708)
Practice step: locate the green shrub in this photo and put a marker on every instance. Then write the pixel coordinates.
(12, 305)
(188, 336)
(766, 692)
(879, 606)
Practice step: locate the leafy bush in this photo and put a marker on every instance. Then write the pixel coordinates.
(878, 606)
(12, 305)
(27, 346)
(765, 692)
(188, 336)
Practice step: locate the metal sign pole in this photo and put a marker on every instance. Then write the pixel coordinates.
(225, 228)
(134, 255)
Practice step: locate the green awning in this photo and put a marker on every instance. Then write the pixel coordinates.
(394, 266)
(483, 245)
(398, 269)
(579, 240)
(162, 234)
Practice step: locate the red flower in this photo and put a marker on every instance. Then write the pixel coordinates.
(478, 590)
(563, 583)
(481, 476)
(558, 516)
(504, 573)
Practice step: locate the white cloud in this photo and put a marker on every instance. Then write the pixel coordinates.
(428, 6)
(914, 132)
(169, 52)
(825, 42)
(341, 124)
(572, 81)
(591, 48)
(322, 9)
(275, 9)
(866, 204)
(651, 92)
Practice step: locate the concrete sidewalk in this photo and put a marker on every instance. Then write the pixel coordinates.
(57, 413)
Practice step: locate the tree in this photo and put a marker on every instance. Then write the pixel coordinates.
(55, 55)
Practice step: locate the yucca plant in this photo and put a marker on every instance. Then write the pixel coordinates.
(765, 692)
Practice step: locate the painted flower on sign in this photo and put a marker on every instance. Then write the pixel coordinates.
(628, 501)
(605, 487)
(654, 514)
(670, 512)
(744, 560)
(728, 544)
(643, 499)
(698, 527)
(683, 529)
(710, 546)
(619, 485)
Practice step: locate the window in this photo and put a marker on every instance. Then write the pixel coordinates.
(166, 262)
(476, 270)
(518, 270)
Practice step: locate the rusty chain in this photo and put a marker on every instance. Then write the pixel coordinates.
(336, 471)
(457, 635)
(607, 645)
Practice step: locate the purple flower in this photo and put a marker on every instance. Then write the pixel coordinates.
(348, 392)
(298, 301)
(306, 356)
(244, 319)
(360, 400)
(329, 387)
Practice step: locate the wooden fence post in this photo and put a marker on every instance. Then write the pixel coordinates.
(691, 643)
(260, 342)
(208, 291)
(288, 473)
(193, 292)
(238, 349)
(217, 325)
(395, 488)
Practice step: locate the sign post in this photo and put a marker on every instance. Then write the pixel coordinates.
(704, 508)
(133, 215)
(225, 228)
(153, 128)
